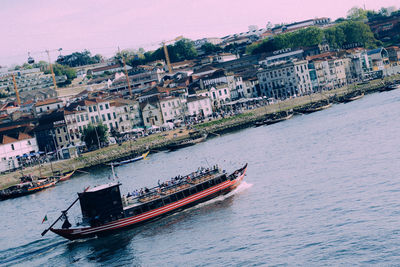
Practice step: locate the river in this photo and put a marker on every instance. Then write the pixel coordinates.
(321, 189)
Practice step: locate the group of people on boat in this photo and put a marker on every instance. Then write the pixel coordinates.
(172, 182)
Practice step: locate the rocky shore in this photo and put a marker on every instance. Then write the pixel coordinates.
(160, 141)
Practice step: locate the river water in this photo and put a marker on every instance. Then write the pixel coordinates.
(321, 189)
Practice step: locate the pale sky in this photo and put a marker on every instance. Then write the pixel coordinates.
(103, 25)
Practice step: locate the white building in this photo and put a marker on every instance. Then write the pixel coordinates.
(46, 106)
(171, 108)
(151, 112)
(199, 105)
(13, 150)
(282, 80)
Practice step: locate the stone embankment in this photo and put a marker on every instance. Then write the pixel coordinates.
(160, 141)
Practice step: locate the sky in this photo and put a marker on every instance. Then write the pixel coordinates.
(102, 25)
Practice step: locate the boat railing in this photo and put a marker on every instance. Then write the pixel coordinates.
(177, 185)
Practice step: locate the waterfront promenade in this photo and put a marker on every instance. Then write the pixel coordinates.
(159, 141)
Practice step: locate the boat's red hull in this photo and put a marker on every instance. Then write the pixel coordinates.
(210, 193)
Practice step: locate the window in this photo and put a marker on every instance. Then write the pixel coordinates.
(109, 116)
(101, 107)
(77, 118)
(94, 108)
(155, 117)
(127, 117)
(106, 105)
(225, 91)
(147, 119)
(103, 117)
(97, 118)
(137, 211)
(48, 108)
(186, 193)
(179, 195)
(167, 200)
(80, 128)
(199, 187)
(173, 197)
(41, 110)
(220, 92)
(87, 117)
(58, 130)
(115, 116)
(64, 129)
(145, 208)
(92, 119)
(193, 190)
(90, 109)
(12, 147)
(66, 137)
(111, 125)
(59, 139)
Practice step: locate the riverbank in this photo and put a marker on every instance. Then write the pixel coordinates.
(160, 141)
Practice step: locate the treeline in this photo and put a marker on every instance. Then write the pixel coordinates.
(346, 32)
(181, 50)
(77, 59)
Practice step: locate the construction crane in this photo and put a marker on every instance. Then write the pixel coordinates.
(60, 57)
(126, 72)
(164, 44)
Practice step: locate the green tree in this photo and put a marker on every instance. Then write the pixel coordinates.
(95, 134)
(79, 59)
(42, 65)
(60, 70)
(210, 48)
(357, 13)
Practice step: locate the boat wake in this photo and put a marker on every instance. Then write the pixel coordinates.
(242, 187)
(29, 251)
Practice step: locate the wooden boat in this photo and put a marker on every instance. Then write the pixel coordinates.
(27, 186)
(119, 163)
(275, 118)
(389, 87)
(314, 107)
(353, 96)
(186, 143)
(104, 211)
(65, 176)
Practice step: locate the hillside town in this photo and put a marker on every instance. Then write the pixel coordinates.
(40, 119)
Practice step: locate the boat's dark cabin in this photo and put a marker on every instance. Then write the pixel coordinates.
(101, 204)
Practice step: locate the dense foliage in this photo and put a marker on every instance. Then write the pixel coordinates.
(182, 50)
(93, 135)
(346, 32)
(79, 59)
(60, 70)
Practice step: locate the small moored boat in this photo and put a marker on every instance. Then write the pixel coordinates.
(28, 185)
(119, 163)
(105, 211)
(186, 143)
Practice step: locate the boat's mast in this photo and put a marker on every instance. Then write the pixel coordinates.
(113, 172)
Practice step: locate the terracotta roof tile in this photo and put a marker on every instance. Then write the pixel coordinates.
(8, 140)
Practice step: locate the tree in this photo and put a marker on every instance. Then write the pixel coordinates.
(356, 13)
(210, 48)
(95, 134)
(60, 70)
(79, 59)
(42, 65)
